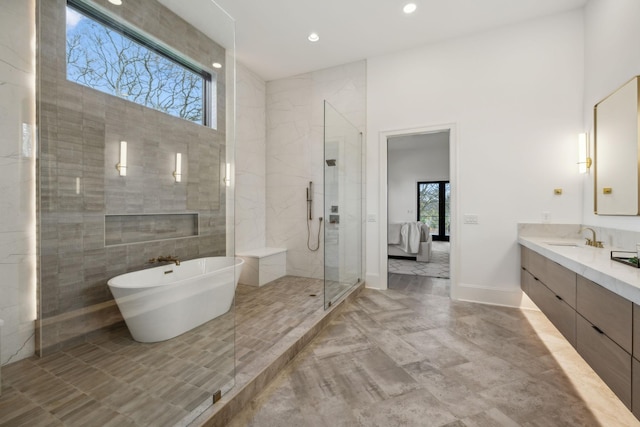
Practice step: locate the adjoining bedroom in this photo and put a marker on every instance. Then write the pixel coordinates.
(419, 217)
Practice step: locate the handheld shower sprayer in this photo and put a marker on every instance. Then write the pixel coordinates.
(310, 200)
(310, 218)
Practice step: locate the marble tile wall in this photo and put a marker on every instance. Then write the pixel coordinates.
(295, 153)
(250, 161)
(80, 130)
(17, 179)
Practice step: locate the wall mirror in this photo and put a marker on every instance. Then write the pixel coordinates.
(616, 133)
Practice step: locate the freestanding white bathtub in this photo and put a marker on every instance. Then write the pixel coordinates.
(163, 302)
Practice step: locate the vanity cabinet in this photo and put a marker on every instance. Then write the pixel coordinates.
(596, 321)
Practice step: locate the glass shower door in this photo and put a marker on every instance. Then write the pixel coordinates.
(342, 205)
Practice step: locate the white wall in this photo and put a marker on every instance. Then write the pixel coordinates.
(612, 57)
(294, 152)
(515, 97)
(406, 167)
(250, 212)
(17, 179)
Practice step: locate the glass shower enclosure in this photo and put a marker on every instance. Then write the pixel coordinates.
(137, 184)
(342, 205)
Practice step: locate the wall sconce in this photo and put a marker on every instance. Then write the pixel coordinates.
(227, 174)
(584, 161)
(122, 164)
(177, 174)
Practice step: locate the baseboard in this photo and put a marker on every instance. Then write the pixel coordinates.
(480, 294)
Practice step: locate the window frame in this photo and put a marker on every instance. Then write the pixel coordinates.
(137, 36)
(442, 235)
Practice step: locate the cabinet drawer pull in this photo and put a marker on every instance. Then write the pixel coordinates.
(598, 330)
(560, 298)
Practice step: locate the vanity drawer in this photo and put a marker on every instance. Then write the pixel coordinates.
(535, 263)
(559, 279)
(635, 387)
(611, 313)
(636, 333)
(525, 281)
(606, 358)
(557, 311)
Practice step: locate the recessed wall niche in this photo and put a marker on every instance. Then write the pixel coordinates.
(83, 199)
(124, 229)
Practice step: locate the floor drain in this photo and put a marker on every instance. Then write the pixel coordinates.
(313, 295)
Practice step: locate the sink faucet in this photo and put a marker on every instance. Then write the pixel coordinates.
(593, 241)
(168, 258)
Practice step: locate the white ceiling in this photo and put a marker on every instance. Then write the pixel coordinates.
(271, 35)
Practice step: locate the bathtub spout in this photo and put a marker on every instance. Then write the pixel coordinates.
(168, 258)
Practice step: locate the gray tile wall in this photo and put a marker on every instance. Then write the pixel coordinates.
(80, 133)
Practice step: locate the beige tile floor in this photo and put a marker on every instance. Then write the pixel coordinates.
(410, 356)
(113, 380)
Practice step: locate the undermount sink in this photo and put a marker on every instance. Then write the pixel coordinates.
(566, 244)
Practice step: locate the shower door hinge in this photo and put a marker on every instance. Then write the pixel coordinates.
(217, 396)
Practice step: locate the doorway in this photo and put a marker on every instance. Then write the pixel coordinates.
(439, 166)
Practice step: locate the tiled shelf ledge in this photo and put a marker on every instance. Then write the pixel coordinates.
(138, 228)
(258, 374)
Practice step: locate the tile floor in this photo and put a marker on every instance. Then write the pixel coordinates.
(410, 356)
(113, 380)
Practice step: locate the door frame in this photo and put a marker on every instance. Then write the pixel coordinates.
(383, 199)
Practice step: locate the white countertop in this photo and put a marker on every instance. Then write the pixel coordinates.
(593, 263)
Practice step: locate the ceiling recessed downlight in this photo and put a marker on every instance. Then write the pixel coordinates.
(313, 37)
(116, 2)
(217, 65)
(409, 8)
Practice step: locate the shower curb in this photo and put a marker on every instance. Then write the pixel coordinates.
(249, 385)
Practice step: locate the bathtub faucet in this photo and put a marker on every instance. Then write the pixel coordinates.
(168, 258)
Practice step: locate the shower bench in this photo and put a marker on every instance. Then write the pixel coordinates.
(263, 265)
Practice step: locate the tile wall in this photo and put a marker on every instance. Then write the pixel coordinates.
(295, 155)
(250, 161)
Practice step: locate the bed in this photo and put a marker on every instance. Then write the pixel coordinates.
(409, 240)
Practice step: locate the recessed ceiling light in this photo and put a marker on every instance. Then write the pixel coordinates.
(116, 2)
(313, 37)
(409, 8)
(217, 65)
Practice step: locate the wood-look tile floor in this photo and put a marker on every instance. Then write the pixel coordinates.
(113, 380)
(410, 356)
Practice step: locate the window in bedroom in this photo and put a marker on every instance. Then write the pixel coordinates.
(108, 56)
(434, 208)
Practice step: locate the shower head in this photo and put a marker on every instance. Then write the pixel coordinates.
(331, 162)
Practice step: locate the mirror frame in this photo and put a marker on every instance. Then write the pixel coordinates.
(615, 98)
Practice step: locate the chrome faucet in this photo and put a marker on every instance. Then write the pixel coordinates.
(593, 241)
(168, 258)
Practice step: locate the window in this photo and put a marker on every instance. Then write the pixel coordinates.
(434, 207)
(107, 56)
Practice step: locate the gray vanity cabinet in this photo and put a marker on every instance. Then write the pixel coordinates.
(596, 321)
